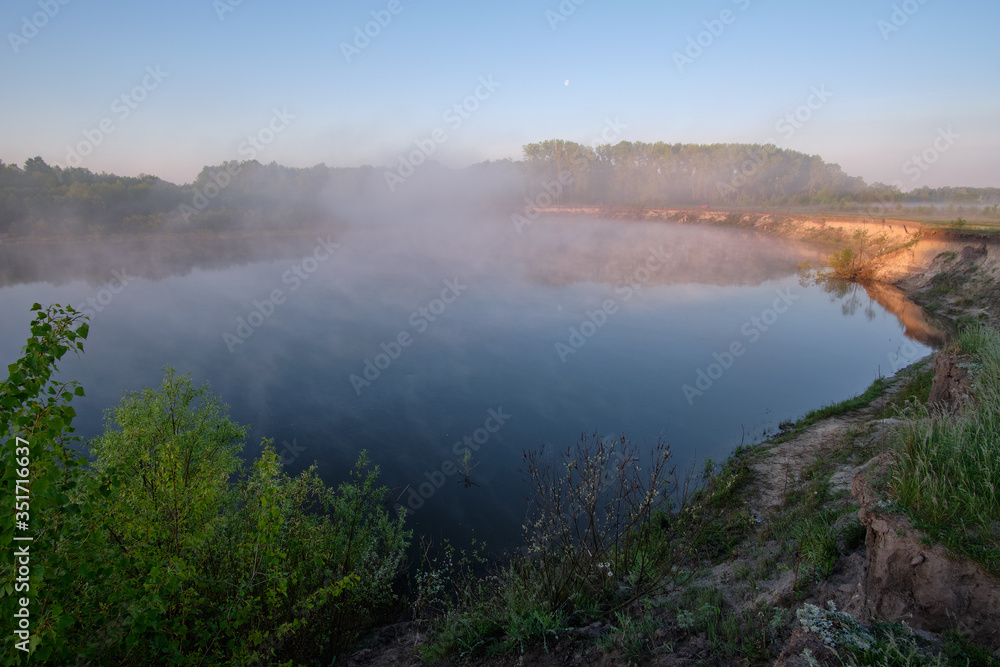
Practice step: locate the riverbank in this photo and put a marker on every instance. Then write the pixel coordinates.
(797, 552)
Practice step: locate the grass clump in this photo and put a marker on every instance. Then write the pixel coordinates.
(916, 389)
(750, 634)
(948, 469)
(862, 400)
(714, 518)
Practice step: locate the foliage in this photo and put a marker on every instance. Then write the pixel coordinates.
(35, 408)
(948, 466)
(590, 533)
(173, 451)
(634, 634)
(45, 201)
(861, 260)
(661, 174)
(714, 519)
(598, 538)
(41, 200)
(154, 555)
(751, 634)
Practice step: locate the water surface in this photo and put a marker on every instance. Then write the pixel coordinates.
(473, 336)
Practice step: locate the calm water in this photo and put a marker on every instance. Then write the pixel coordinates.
(409, 338)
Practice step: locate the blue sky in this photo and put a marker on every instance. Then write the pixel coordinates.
(888, 91)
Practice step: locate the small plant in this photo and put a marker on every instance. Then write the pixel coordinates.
(883, 644)
(635, 635)
(837, 629)
(861, 260)
(591, 534)
(816, 547)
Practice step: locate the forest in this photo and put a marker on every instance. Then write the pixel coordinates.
(40, 200)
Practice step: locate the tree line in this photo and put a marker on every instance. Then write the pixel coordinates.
(37, 199)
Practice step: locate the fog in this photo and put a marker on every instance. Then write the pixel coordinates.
(438, 221)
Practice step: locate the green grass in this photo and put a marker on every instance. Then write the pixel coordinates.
(750, 634)
(863, 400)
(946, 256)
(946, 283)
(948, 473)
(716, 519)
(916, 388)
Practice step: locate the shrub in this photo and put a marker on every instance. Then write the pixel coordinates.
(591, 533)
(861, 260)
(161, 555)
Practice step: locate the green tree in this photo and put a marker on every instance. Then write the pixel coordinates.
(174, 450)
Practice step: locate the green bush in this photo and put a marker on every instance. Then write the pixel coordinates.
(164, 551)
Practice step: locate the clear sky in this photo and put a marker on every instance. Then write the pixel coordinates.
(886, 80)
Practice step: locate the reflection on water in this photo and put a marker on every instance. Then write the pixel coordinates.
(460, 382)
(916, 325)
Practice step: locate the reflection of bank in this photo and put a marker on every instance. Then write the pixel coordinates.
(917, 326)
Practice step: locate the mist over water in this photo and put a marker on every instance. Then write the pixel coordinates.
(417, 334)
